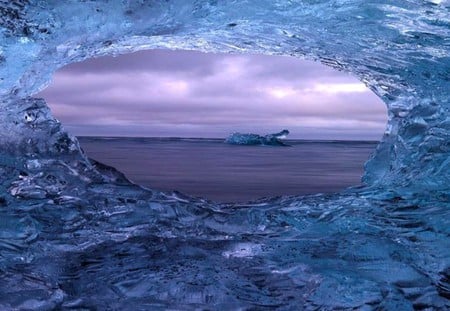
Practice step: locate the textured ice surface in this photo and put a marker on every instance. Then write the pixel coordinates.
(76, 234)
(255, 139)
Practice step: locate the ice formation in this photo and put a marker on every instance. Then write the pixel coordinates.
(255, 139)
(76, 234)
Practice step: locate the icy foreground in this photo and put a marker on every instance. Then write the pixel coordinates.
(76, 234)
(255, 139)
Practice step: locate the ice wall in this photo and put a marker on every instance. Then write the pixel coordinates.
(76, 234)
(400, 49)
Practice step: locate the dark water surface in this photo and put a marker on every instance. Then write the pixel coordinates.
(228, 173)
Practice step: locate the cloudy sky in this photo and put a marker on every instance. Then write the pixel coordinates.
(192, 94)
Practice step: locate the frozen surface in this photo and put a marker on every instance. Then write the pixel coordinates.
(255, 139)
(77, 234)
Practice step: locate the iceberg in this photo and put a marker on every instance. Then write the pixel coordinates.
(75, 234)
(255, 139)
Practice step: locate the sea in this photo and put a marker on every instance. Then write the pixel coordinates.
(211, 169)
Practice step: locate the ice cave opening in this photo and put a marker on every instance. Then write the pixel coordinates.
(162, 118)
(76, 234)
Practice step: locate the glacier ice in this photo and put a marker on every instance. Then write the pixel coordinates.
(255, 139)
(77, 234)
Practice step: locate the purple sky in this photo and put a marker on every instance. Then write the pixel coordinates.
(192, 94)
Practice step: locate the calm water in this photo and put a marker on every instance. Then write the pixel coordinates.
(212, 169)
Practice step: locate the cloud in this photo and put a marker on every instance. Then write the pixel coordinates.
(180, 62)
(183, 93)
(338, 88)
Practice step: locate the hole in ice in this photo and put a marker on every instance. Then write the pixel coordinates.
(138, 112)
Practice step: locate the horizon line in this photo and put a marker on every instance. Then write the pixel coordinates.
(221, 138)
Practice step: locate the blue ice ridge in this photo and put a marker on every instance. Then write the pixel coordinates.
(255, 139)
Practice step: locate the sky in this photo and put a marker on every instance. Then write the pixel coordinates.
(162, 93)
